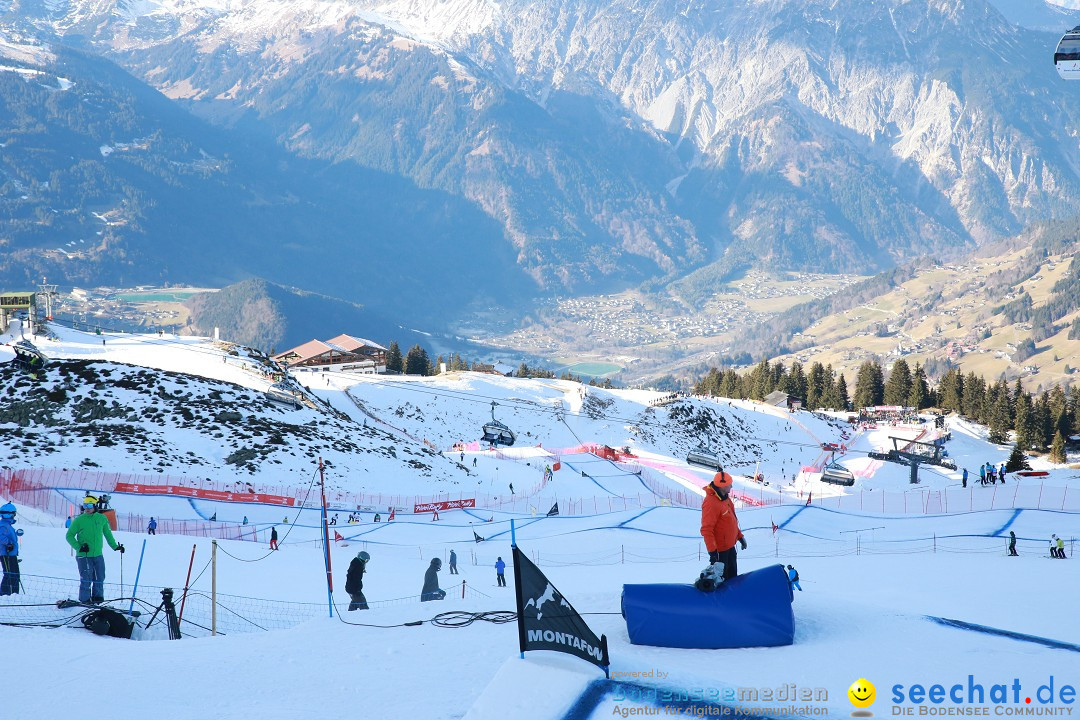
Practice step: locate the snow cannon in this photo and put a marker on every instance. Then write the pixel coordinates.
(750, 610)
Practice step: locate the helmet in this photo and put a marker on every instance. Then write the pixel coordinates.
(363, 555)
(790, 568)
(7, 509)
(437, 563)
(89, 501)
(722, 480)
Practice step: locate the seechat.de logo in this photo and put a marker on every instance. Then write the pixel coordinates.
(862, 695)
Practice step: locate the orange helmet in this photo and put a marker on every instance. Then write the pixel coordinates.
(722, 480)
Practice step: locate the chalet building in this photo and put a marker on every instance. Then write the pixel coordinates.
(343, 353)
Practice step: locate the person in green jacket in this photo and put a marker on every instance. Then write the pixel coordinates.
(85, 537)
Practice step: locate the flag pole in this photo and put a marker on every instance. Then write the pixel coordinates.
(326, 543)
(517, 589)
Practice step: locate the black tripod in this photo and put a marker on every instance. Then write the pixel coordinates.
(170, 614)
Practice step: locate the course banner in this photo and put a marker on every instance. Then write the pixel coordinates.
(444, 505)
(124, 487)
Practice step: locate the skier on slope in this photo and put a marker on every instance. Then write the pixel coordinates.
(453, 563)
(719, 526)
(793, 578)
(1012, 543)
(500, 572)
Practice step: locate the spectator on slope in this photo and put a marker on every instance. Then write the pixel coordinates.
(963, 479)
(1001, 473)
(245, 520)
(376, 517)
(9, 550)
(431, 590)
(1012, 543)
(151, 529)
(500, 572)
(85, 536)
(793, 577)
(354, 581)
(67, 523)
(453, 563)
(719, 526)
(982, 474)
(273, 538)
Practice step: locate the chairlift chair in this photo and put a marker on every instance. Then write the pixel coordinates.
(281, 393)
(1067, 55)
(837, 474)
(703, 456)
(28, 357)
(495, 432)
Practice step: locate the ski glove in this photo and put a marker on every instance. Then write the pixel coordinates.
(714, 556)
(742, 542)
(84, 548)
(9, 547)
(121, 548)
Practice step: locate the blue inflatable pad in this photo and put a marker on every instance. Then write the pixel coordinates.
(750, 610)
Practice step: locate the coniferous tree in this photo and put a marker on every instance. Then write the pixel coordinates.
(416, 361)
(1028, 435)
(1017, 460)
(798, 382)
(394, 361)
(869, 386)
(731, 384)
(974, 397)
(920, 396)
(841, 393)
(1057, 448)
(898, 388)
(815, 387)
(951, 391)
(999, 418)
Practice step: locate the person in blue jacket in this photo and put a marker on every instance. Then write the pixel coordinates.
(453, 563)
(500, 568)
(151, 529)
(9, 551)
(964, 479)
(793, 578)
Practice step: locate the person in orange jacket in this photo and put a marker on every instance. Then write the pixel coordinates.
(719, 526)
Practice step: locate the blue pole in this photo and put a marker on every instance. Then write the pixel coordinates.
(137, 573)
(513, 536)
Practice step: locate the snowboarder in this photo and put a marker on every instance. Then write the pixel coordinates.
(245, 520)
(9, 550)
(434, 515)
(474, 462)
(500, 570)
(333, 520)
(213, 518)
(273, 538)
(1012, 543)
(453, 563)
(151, 529)
(354, 581)
(85, 537)
(376, 517)
(964, 478)
(719, 526)
(511, 488)
(431, 590)
(793, 578)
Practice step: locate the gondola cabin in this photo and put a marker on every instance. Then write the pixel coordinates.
(837, 474)
(1067, 55)
(703, 457)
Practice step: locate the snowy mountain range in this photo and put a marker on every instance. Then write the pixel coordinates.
(629, 141)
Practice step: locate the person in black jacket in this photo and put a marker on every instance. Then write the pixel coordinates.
(431, 590)
(354, 581)
(1012, 543)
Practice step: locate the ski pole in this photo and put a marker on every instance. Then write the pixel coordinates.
(138, 572)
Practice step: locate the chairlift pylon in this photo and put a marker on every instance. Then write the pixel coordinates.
(496, 433)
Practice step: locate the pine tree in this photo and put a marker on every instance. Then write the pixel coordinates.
(919, 396)
(731, 384)
(815, 387)
(951, 390)
(1028, 434)
(416, 361)
(974, 397)
(841, 393)
(869, 387)
(798, 383)
(394, 361)
(999, 419)
(1057, 448)
(1017, 460)
(898, 388)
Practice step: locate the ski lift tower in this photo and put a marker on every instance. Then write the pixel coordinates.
(915, 453)
(48, 292)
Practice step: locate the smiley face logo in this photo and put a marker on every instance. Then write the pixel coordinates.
(862, 693)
